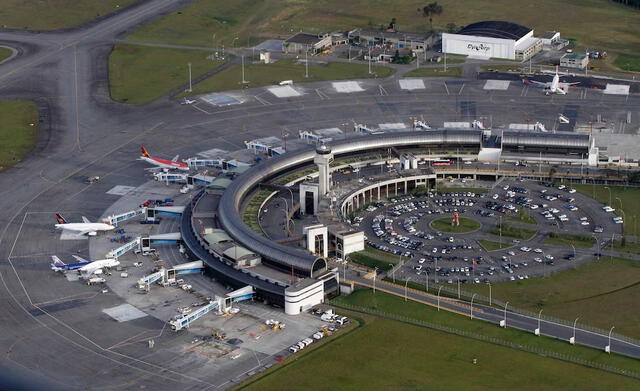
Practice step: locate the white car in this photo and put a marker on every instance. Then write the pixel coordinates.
(525, 249)
(585, 222)
(538, 250)
(549, 257)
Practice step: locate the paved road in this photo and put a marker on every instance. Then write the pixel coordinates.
(48, 320)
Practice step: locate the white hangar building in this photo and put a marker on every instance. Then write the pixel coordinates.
(493, 39)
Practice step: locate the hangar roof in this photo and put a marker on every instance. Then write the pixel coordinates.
(496, 29)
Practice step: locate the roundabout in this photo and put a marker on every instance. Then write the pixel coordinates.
(447, 225)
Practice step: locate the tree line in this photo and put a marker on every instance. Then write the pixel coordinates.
(629, 3)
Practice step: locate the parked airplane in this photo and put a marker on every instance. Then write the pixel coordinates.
(554, 86)
(95, 267)
(84, 228)
(58, 266)
(162, 163)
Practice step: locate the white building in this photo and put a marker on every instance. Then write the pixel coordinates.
(494, 39)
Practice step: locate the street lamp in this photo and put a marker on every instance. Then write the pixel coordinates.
(608, 347)
(488, 283)
(393, 272)
(405, 288)
(471, 312)
(439, 297)
(458, 287)
(426, 283)
(286, 214)
(624, 216)
(537, 331)
(504, 321)
(608, 188)
(375, 274)
(572, 340)
(574, 251)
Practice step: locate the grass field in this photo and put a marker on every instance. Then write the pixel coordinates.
(259, 75)
(522, 217)
(513, 232)
(140, 74)
(602, 293)
(4, 53)
(593, 23)
(18, 130)
(55, 14)
(435, 72)
(629, 247)
(492, 246)
(629, 197)
(568, 240)
(373, 258)
(444, 225)
(628, 62)
(387, 354)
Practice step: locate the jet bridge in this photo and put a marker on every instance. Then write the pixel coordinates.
(222, 304)
(115, 219)
(118, 252)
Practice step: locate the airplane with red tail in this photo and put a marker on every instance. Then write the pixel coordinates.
(164, 164)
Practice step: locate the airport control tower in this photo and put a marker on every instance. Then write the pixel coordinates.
(323, 159)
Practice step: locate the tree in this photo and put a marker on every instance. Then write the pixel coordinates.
(392, 25)
(430, 10)
(451, 28)
(552, 172)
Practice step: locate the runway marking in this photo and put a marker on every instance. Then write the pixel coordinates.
(203, 110)
(524, 92)
(322, 95)
(461, 88)
(446, 88)
(382, 90)
(262, 100)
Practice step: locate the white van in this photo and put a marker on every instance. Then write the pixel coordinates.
(286, 83)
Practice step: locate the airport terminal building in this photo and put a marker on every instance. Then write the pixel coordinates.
(495, 39)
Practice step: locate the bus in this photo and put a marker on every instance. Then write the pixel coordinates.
(441, 162)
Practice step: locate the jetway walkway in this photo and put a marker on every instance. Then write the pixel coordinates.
(221, 304)
(150, 213)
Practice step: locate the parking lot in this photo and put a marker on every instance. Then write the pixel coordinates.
(520, 215)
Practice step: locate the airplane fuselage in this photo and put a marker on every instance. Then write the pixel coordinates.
(90, 228)
(163, 163)
(91, 267)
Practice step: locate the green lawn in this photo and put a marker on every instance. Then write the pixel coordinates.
(4, 53)
(628, 62)
(597, 24)
(373, 258)
(513, 232)
(140, 74)
(602, 293)
(55, 14)
(629, 197)
(490, 245)
(259, 75)
(444, 225)
(629, 247)
(389, 355)
(18, 130)
(568, 240)
(522, 217)
(435, 72)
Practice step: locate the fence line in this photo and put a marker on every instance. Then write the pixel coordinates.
(493, 340)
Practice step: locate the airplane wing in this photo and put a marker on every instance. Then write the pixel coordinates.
(569, 84)
(539, 83)
(80, 259)
(175, 159)
(85, 220)
(154, 169)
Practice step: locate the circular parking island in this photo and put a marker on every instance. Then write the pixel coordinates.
(444, 225)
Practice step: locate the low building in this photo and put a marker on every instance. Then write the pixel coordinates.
(574, 60)
(550, 38)
(394, 39)
(307, 43)
(271, 146)
(497, 39)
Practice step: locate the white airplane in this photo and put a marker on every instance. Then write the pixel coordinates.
(95, 267)
(84, 228)
(554, 86)
(188, 101)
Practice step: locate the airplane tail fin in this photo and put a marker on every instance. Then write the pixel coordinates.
(56, 261)
(85, 220)
(61, 220)
(144, 152)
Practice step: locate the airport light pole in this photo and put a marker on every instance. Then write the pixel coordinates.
(242, 62)
(393, 272)
(573, 339)
(190, 89)
(458, 287)
(608, 348)
(488, 283)
(471, 310)
(426, 283)
(370, 60)
(608, 188)
(286, 214)
(306, 63)
(405, 288)
(574, 251)
(505, 313)
(624, 216)
(439, 297)
(597, 246)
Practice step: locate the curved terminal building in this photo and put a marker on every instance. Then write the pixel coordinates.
(222, 224)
